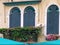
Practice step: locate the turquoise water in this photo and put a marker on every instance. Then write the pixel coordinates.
(55, 42)
(10, 42)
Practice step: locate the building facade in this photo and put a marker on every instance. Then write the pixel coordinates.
(20, 13)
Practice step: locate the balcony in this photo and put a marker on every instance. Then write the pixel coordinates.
(24, 2)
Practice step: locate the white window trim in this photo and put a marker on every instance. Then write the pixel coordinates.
(45, 30)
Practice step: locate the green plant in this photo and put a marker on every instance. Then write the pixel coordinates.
(22, 34)
(3, 31)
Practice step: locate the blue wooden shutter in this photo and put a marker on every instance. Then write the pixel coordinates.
(14, 17)
(29, 16)
(53, 20)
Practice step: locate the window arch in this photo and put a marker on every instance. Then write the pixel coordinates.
(53, 20)
(29, 16)
(15, 17)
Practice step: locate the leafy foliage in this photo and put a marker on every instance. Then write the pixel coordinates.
(21, 34)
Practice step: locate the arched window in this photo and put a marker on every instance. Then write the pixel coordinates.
(29, 16)
(53, 20)
(15, 17)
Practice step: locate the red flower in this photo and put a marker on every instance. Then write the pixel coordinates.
(48, 37)
(51, 37)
